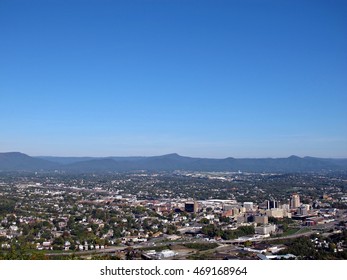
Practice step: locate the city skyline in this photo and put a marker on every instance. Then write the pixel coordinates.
(214, 79)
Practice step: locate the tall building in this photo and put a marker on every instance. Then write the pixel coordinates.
(265, 229)
(191, 206)
(270, 204)
(275, 212)
(294, 201)
(248, 206)
(263, 219)
(302, 210)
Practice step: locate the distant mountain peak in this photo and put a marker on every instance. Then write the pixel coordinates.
(14, 155)
(173, 155)
(294, 157)
(16, 161)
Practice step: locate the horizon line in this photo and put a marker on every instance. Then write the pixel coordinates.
(177, 154)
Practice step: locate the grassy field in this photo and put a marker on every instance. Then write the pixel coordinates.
(292, 231)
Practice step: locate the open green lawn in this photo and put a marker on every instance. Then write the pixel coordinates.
(292, 231)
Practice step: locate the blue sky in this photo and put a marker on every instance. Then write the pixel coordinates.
(201, 78)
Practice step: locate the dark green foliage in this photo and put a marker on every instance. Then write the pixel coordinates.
(240, 231)
(7, 205)
(213, 231)
(304, 248)
(204, 221)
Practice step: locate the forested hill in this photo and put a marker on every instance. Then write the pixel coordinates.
(15, 161)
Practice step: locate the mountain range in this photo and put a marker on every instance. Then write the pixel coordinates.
(15, 161)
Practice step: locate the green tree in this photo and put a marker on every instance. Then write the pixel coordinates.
(204, 221)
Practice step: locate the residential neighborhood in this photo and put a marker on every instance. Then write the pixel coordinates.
(176, 215)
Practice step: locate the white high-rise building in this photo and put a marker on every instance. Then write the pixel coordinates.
(248, 206)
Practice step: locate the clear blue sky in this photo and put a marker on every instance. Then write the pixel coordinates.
(201, 78)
